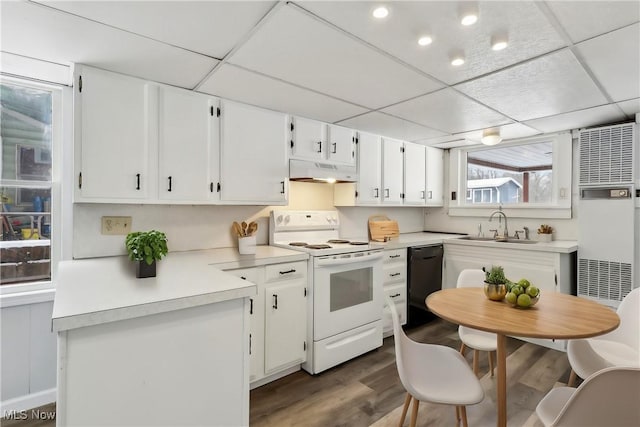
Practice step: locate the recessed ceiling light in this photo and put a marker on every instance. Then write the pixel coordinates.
(469, 19)
(380, 12)
(457, 61)
(499, 42)
(499, 45)
(425, 40)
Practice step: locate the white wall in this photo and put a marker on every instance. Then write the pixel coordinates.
(354, 220)
(437, 219)
(187, 227)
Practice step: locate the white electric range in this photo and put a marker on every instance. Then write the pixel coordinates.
(345, 286)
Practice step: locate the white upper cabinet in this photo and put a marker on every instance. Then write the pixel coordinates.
(189, 146)
(435, 176)
(392, 171)
(369, 186)
(307, 139)
(115, 137)
(313, 140)
(254, 168)
(414, 174)
(340, 145)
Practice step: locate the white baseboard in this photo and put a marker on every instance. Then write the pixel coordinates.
(29, 401)
(274, 377)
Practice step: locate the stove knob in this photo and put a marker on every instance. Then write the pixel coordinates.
(279, 219)
(329, 219)
(334, 219)
(286, 219)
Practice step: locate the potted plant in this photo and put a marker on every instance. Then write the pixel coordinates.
(146, 247)
(495, 283)
(545, 233)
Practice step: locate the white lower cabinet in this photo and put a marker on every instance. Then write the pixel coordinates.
(395, 287)
(549, 271)
(278, 319)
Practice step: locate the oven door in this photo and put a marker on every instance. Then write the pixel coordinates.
(347, 292)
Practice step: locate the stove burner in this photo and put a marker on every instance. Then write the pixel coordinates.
(298, 244)
(319, 246)
(358, 243)
(337, 241)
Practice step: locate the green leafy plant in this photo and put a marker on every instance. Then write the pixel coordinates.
(495, 276)
(146, 246)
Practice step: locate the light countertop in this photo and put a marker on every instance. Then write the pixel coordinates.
(99, 290)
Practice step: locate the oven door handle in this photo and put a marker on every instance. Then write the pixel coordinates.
(350, 260)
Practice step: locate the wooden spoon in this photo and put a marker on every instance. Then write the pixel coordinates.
(237, 229)
(244, 229)
(253, 227)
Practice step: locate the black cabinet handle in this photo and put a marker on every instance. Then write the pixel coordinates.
(319, 146)
(169, 189)
(377, 190)
(394, 295)
(251, 305)
(394, 274)
(275, 301)
(293, 270)
(394, 256)
(282, 183)
(386, 193)
(137, 181)
(335, 147)
(249, 344)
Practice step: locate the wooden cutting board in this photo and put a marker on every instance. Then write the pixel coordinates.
(382, 229)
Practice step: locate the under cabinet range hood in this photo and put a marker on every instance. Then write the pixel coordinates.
(310, 171)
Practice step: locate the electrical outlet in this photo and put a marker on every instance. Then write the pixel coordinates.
(116, 225)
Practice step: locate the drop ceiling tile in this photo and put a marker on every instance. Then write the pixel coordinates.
(549, 85)
(392, 127)
(529, 33)
(614, 59)
(585, 19)
(39, 32)
(207, 27)
(630, 107)
(596, 116)
(510, 131)
(298, 48)
(235, 83)
(448, 111)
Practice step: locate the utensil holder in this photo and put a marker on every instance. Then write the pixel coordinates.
(247, 245)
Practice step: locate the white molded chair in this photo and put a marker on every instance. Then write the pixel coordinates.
(620, 347)
(432, 373)
(608, 398)
(473, 338)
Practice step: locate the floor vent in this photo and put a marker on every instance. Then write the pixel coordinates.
(606, 155)
(604, 280)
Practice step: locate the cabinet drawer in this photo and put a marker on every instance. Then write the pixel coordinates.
(394, 255)
(397, 292)
(250, 274)
(395, 273)
(285, 271)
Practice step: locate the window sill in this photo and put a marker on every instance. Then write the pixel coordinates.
(546, 212)
(27, 297)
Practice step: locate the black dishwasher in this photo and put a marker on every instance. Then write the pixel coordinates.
(424, 276)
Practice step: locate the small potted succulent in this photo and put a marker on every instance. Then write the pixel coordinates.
(146, 247)
(495, 283)
(545, 233)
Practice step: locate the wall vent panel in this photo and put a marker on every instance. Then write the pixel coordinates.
(604, 280)
(606, 155)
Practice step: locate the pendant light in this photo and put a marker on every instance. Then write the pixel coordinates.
(491, 136)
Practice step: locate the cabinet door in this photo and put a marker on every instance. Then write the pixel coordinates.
(308, 139)
(285, 325)
(254, 165)
(392, 159)
(188, 146)
(414, 174)
(369, 186)
(435, 176)
(340, 145)
(256, 322)
(115, 122)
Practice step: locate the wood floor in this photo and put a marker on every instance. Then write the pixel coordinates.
(366, 391)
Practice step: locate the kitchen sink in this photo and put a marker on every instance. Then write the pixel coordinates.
(490, 239)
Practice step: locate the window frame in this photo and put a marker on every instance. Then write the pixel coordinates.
(562, 164)
(61, 119)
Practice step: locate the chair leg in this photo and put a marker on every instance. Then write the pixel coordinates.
(475, 361)
(463, 411)
(414, 412)
(491, 365)
(463, 347)
(405, 408)
(572, 378)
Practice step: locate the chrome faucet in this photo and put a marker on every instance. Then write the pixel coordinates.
(506, 229)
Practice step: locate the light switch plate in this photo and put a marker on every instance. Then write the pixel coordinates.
(116, 225)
